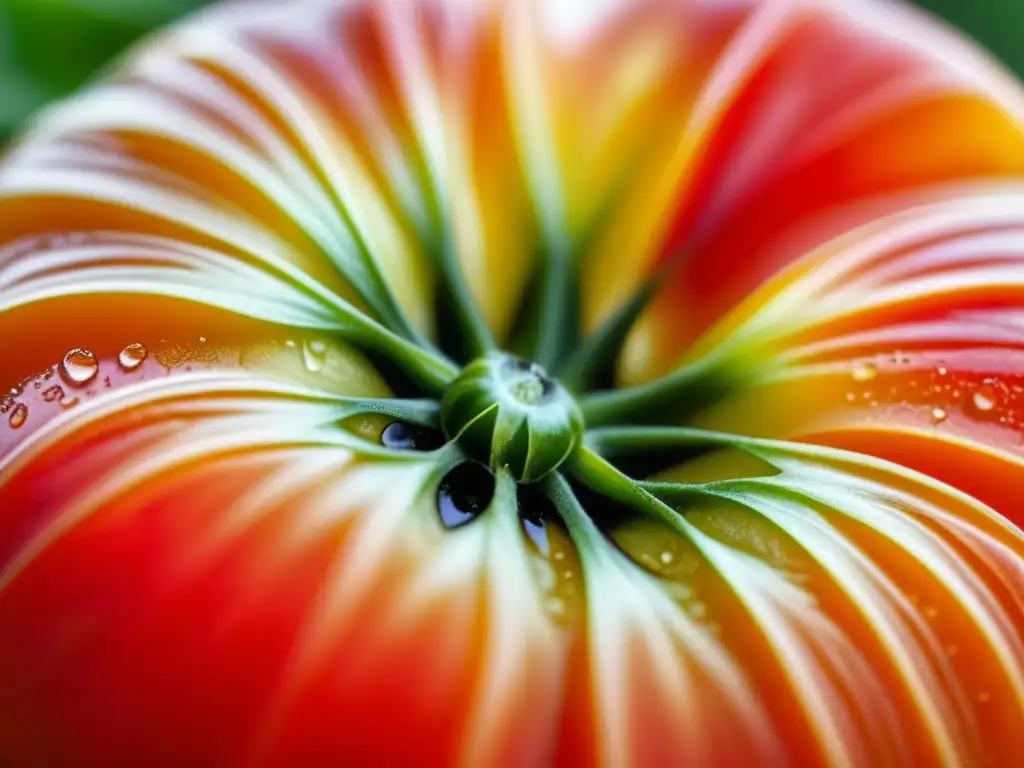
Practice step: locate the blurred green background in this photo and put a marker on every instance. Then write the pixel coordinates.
(48, 47)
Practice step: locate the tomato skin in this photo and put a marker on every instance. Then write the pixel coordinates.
(202, 560)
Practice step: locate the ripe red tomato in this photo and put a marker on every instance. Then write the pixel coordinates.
(744, 487)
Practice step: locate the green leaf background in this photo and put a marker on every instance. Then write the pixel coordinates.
(50, 47)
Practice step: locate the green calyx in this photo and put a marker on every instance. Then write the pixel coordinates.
(508, 413)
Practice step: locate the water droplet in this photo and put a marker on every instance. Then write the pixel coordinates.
(132, 356)
(667, 557)
(939, 415)
(942, 370)
(952, 650)
(555, 606)
(930, 612)
(464, 493)
(851, 397)
(202, 339)
(984, 399)
(535, 509)
(314, 354)
(53, 394)
(411, 437)
(6, 404)
(18, 416)
(79, 367)
(544, 573)
(57, 395)
(864, 371)
(368, 426)
(290, 344)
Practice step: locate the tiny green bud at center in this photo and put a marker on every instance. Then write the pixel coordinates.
(509, 413)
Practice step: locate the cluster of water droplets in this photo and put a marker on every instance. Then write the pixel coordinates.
(995, 399)
(78, 370)
(466, 492)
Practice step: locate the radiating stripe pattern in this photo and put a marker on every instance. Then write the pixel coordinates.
(208, 558)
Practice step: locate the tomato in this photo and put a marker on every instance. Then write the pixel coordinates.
(517, 383)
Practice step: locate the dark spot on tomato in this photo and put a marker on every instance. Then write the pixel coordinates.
(535, 510)
(607, 514)
(464, 494)
(411, 437)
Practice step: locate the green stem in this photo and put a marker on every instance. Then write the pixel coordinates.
(557, 307)
(476, 338)
(615, 442)
(597, 352)
(603, 478)
(683, 391)
(366, 277)
(426, 413)
(426, 368)
(584, 534)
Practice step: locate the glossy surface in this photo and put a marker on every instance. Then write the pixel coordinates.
(205, 258)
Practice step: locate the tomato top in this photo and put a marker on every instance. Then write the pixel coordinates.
(276, 489)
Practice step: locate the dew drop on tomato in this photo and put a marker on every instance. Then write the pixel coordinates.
(79, 367)
(464, 494)
(18, 416)
(314, 355)
(132, 356)
(984, 399)
(409, 437)
(56, 394)
(535, 509)
(864, 372)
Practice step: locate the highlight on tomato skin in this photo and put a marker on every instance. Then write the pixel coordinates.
(771, 255)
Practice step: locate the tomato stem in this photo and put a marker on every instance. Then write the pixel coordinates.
(674, 396)
(557, 306)
(426, 413)
(602, 477)
(466, 321)
(594, 358)
(613, 442)
(584, 532)
(426, 368)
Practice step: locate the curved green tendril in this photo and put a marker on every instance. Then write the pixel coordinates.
(476, 337)
(426, 413)
(556, 307)
(582, 530)
(682, 392)
(426, 368)
(601, 477)
(596, 355)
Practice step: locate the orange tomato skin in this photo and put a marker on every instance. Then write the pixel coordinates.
(200, 562)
